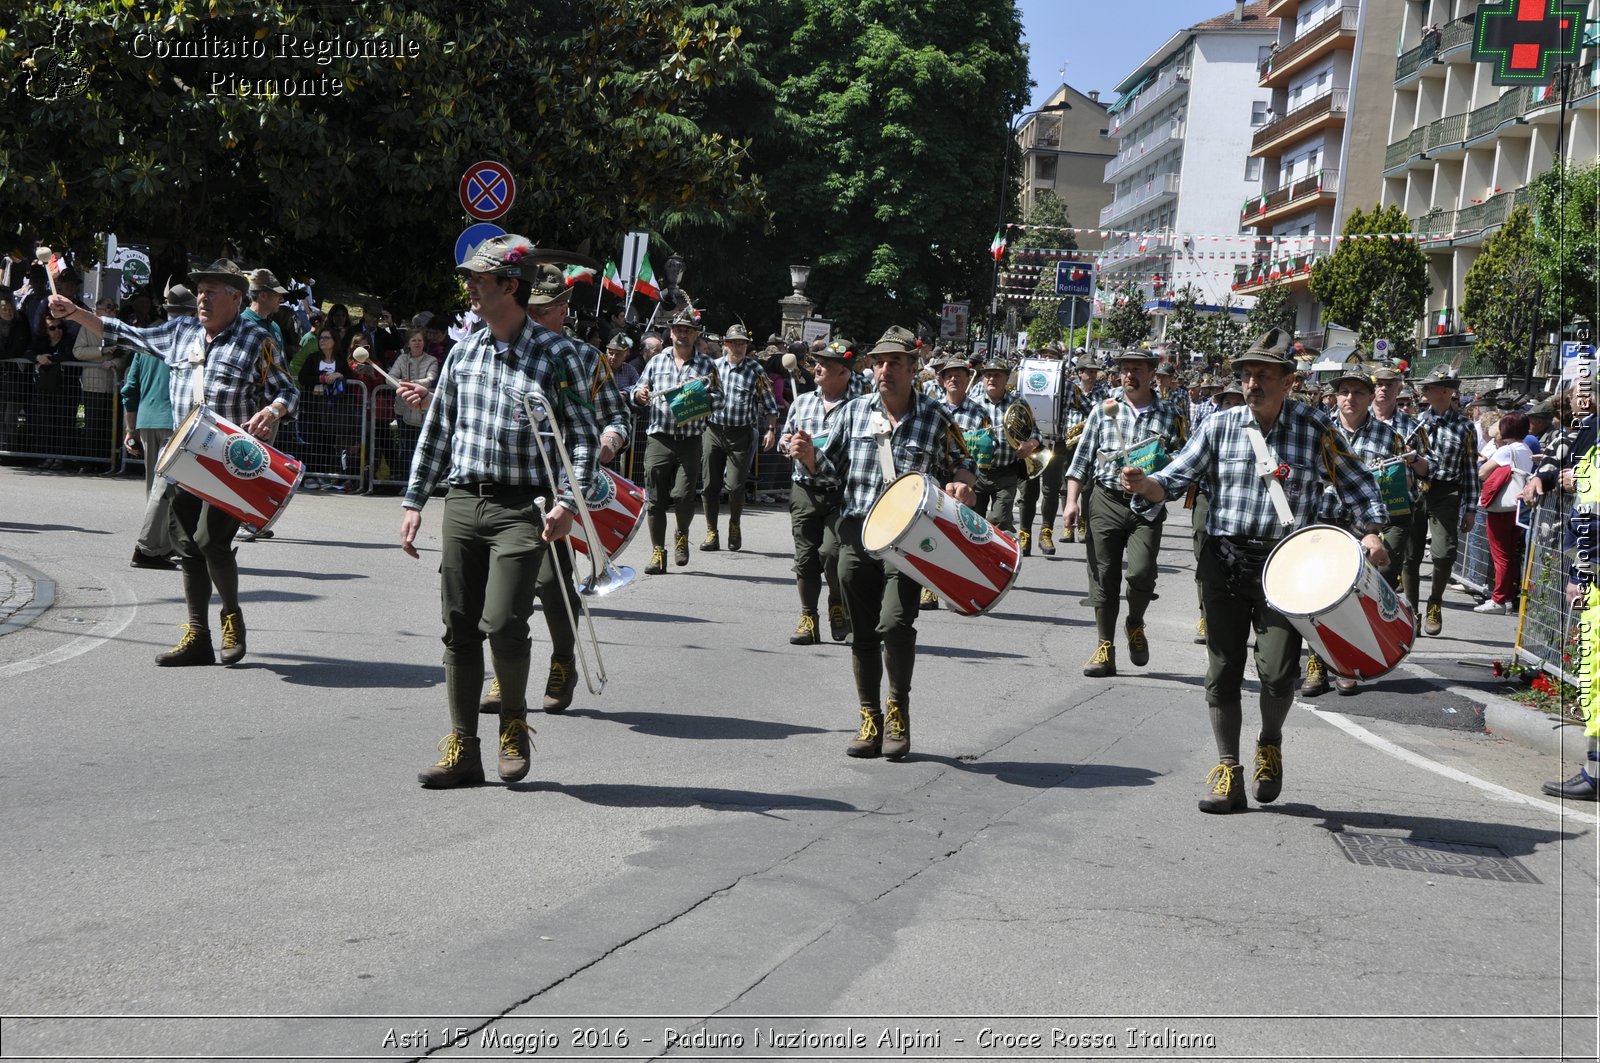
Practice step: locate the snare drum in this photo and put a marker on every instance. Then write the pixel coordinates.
(1319, 578)
(1042, 384)
(211, 457)
(617, 508)
(941, 544)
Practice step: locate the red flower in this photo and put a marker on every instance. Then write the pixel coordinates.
(1499, 669)
(1542, 685)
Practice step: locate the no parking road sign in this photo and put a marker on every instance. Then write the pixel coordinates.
(487, 190)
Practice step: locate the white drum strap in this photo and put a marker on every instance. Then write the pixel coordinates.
(1267, 469)
(197, 374)
(881, 431)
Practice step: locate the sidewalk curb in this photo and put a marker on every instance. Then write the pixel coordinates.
(44, 596)
(1519, 723)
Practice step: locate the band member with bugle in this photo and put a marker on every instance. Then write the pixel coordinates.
(672, 456)
(730, 433)
(1268, 462)
(503, 519)
(997, 492)
(878, 437)
(813, 500)
(1118, 428)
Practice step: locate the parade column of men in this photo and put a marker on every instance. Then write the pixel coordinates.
(730, 433)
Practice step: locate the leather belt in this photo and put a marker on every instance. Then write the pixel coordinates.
(491, 488)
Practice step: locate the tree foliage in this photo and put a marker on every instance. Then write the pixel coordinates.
(1274, 309)
(1379, 287)
(351, 164)
(1053, 231)
(1497, 300)
(1567, 213)
(1127, 323)
(1223, 335)
(1186, 325)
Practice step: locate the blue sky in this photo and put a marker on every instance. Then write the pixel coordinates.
(1099, 42)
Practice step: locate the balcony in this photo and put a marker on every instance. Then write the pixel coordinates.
(1156, 92)
(1156, 245)
(1336, 29)
(1249, 278)
(1146, 150)
(1441, 228)
(1276, 8)
(1291, 198)
(1434, 140)
(1326, 110)
(1162, 185)
(1434, 47)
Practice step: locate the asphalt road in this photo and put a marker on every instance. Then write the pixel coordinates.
(239, 863)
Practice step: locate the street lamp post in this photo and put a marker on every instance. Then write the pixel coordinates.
(1000, 204)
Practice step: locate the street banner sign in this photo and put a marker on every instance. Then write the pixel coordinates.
(473, 236)
(1075, 278)
(487, 190)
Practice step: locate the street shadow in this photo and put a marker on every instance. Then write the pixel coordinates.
(1166, 677)
(737, 578)
(981, 655)
(29, 529)
(344, 673)
(1037, 619)
(691, 726)
(1512, 839)
(290, 574)
(1037, 775)
(664, 618)
(348, 543)
(624, 795)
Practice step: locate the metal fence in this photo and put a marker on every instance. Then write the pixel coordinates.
(69, 412)
(1547, 626)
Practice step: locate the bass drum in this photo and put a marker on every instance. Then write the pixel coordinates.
(1042, 383)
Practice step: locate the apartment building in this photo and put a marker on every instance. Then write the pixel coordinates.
(1064, 150)
(1462, 151)
(1183, 126)
(1318, 147)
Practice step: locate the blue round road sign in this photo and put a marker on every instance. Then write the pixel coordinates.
(472, 236)
(487, 190)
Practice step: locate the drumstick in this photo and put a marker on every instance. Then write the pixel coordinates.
(1113, 413)
(360, 355)
(42, 254)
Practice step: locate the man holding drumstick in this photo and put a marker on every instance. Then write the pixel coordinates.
(898, 427)
(236, 369)
(502, 519)
(1256, 501)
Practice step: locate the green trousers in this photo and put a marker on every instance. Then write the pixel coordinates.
(814, 519)
(1119, 534)
(876, 589)
(1438, 515)
(997, 496)
(671, 465)
(202, 537)
(727, 461)
(1048, 483)
(493, 564)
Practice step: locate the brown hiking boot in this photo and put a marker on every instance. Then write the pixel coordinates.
(710, 543)
(1315, 684)
(868, 741)
(232, 638)
(838, 622)
(192, 649)
(805, 632)
(1069, 535)
(680, 549)
(515, 743)
(1226, 793)
(1435, 619)
(559, 687)
(1268, 775)
(896, 731)
(1138, 644)
(490, 705)
(658, 562)
(461, 765)
(1103, 663)
(1025, 540)
(1200, 631)
(1047, 540)
(929, 600)
(735, 536)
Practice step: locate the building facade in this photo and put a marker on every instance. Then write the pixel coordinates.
(1065, 151)
(1462, 151)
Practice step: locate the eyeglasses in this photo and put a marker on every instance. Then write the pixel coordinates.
(52, 328)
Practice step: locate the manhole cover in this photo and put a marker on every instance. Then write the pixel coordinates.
(1435, 858)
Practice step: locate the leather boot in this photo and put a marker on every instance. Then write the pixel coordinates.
(735, 536)
(896, 730)
(1225, 790)
(805, 632)
(1268, 775)
(490, 705)
(868, 741)
(1025, 540)
(192, 649)
(680, 549)
(838, 622)
(1047, 540)
(515, 744)
(559, 687)
(232, 638)
(710, 544)
(461, 765)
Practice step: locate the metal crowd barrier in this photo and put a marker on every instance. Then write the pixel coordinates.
(1547, 625)
(71, 412)
(1474, 565)
(335, 437)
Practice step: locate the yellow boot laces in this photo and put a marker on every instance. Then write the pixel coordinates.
(894, 721)
(1102, 654)
(494, 688)
(191, 635)
(558, 679)
(836, 614)
(1314, 668)
(230, 630)
(1269, 763)
(1222, 776)
(869, 725)
(512, 734)
(452, 747)
(807, 625)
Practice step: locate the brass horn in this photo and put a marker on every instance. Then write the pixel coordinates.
(1019, 424)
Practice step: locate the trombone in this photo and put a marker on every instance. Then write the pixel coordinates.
(604, 577)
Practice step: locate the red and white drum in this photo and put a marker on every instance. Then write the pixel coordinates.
(1320, 579)
(617, 508)
(943, 545)
(214, 458)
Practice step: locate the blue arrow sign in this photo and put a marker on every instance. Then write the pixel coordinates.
(474, 235)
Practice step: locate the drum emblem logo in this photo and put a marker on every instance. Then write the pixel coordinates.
(244, 457)
(927, 545)
(1388, 603)
(1038, 382)
(601, 491)
(974, 527)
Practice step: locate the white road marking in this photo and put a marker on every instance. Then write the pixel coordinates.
(123, 608)
(1361, 734)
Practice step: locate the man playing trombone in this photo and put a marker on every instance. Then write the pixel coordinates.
(503, 518)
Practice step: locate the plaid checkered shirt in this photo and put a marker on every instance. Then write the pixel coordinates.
(1075, 410)
(1452, 454)
(1374, 443)
(663, 372)
(1299, 439)
(1100, 436)
(611, 410)
(244, 366)
(925, 440)
(476, 432)
(1004, 452)
(744, 387)
(1199, 411)
(811, 413)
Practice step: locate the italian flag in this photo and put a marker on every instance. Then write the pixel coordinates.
(578, 275)
(997, 246)
(645, 283)
(1443, 325)
(611, 283)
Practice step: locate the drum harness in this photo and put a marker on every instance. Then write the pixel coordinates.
(1244, 558)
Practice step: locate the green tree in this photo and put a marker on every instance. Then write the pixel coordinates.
(1186, 325)
(1051, 228)
(1567, 221)
(1377, 288)
(1497, 300)
(350, 164)
(1274, 309)
(1223, 335)
(1127, 322)
(1043, 325)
